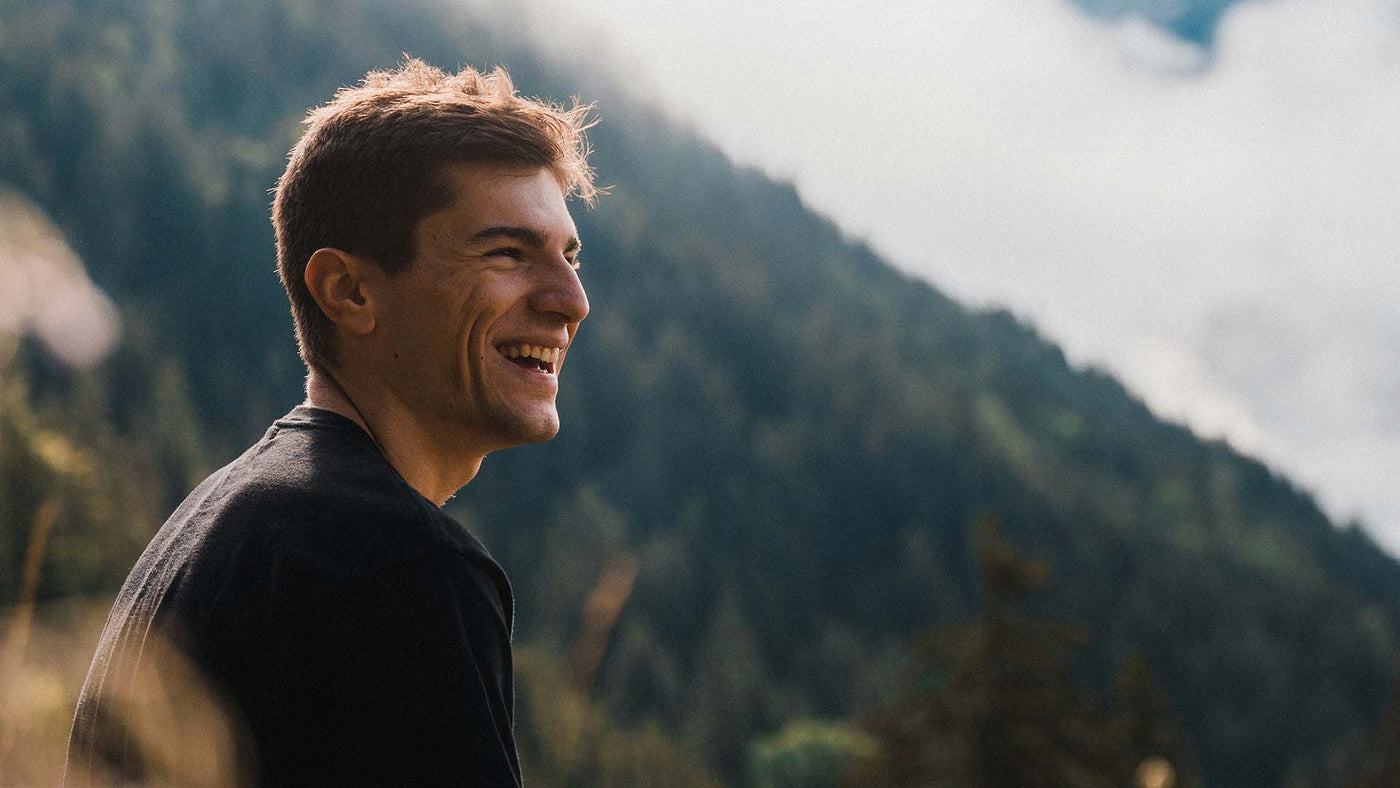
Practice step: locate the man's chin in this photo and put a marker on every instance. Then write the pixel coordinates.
(541, 435)
(503, 427)
(537, 428)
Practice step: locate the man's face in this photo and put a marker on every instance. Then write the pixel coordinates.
(476, 330)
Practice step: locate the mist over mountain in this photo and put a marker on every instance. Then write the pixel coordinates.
(1125, 190)
(787, 437)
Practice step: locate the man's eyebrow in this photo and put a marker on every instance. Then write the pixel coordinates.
(525, 235)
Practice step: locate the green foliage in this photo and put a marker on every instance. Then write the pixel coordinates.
(787, 434)
(728, 698)
(111, 474)
(1146, 725)
(995, 703)
(1385, 770)
(807, 754)
(568, 740)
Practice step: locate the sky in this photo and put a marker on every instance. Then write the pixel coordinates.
(1219, 229)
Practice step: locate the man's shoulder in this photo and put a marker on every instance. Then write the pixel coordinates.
(313, 491)
(306, 553)
(312, 510)
(313, 516)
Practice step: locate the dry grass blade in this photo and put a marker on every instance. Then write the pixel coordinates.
(17, 638)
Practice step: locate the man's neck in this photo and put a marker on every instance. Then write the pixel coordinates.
(434, 473)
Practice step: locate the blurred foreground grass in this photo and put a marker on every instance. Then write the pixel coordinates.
(40, 678)
(565, 736)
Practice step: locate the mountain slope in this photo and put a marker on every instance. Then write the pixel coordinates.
(789, 437)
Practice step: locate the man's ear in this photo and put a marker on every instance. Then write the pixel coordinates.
(336, 280)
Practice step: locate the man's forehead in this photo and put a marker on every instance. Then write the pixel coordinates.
(486, 197)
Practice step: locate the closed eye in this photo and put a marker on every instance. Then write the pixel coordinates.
(513, 252)
(516, 253)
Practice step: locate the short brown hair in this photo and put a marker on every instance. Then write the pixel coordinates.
(370, 166)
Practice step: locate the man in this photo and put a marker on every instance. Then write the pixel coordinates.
(309, 615)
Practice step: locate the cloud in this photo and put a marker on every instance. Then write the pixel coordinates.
(1218, 228)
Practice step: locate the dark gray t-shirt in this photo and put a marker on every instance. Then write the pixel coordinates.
(348, 631)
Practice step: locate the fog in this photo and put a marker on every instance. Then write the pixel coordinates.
(1217, 228)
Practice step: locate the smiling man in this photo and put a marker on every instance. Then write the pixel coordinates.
(336, 624)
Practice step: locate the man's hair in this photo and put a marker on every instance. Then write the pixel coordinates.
(372, 162)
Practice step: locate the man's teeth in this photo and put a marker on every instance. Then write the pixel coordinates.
(549, 355)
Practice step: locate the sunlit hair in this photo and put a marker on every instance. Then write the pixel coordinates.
(371, 165)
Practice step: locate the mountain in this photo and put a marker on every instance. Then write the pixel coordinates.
(785, 437)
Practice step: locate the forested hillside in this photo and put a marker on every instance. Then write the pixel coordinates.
(774, 445)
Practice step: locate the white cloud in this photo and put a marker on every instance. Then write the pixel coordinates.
(1219, 229)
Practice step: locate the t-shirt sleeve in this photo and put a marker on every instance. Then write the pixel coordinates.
(396, 675)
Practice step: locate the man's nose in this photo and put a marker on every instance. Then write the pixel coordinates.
(561, 294)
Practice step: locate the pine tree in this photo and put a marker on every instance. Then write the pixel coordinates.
(1383, 771)
(1149, 732)
(994, 703)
